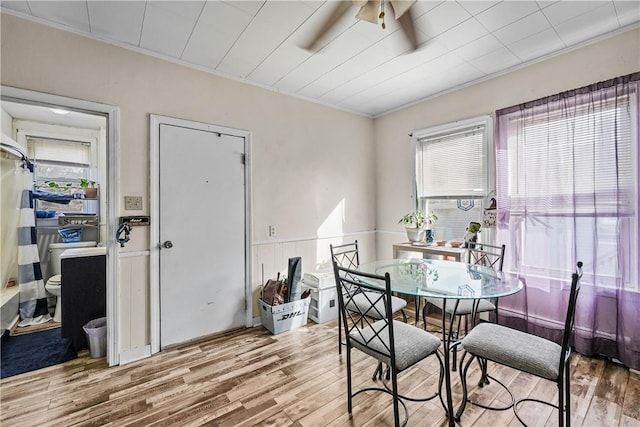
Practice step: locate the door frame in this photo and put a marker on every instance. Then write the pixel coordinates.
(112, 113)
(154, 199)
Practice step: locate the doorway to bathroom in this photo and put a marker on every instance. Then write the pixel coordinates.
(67, 141)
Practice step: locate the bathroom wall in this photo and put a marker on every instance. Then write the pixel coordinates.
(616, 56)
(312, 166)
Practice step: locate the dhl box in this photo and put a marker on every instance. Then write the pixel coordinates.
(284, 317)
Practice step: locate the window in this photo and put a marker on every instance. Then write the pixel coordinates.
(60, 165)
(570, 165)
(453, 174)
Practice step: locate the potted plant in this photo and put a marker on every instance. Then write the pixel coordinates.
(415, 223)
(53, 184)
(90, 190)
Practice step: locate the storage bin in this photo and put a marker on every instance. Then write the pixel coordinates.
(284, 317)
(70, 235)
(324, 304)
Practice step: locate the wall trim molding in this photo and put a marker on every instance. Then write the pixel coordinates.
(303, 239)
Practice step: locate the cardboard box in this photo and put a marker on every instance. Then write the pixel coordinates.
(284, 317)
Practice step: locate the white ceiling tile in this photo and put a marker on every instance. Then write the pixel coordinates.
(216, 31)
(18, 6)
(247, 6)
(421, 7)
(441, 18)
(525, 27)
(462, 34)
(71, 13)
(495, 61)
(352, 69)
(537, 45)
(628, 11)
(597, 21)
(506, 13)
(117, 20)
(564, 10)
(474, 7)
(271, 27)
(479, 47)
(280, 62)
(349, 44)
(544, 4)
(168, 25)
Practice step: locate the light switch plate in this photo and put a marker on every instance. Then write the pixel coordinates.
(132, 203)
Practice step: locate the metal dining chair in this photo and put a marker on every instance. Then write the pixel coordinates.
(477, 254)
(480, 254)
(525, 352)
(365, 306)
(347, 256)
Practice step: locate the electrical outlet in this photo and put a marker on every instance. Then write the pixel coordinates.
(272, 231)
(132, 203)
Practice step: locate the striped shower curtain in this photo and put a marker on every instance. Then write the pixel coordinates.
(33, 297)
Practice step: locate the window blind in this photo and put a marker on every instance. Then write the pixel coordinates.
(59, 151)
(562, 161)
(452, 165)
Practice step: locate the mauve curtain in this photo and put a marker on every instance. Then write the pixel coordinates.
(567, 191)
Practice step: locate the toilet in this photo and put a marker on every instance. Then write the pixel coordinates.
(54, 284)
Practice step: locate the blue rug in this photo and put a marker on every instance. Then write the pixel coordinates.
(25, 353)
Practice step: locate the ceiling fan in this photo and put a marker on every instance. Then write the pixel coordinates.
(371, 11)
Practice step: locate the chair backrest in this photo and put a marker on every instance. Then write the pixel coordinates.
(362, 303)
(346, 255)
(571, 314)
(486, 255)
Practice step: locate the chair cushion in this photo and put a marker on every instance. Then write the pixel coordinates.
(464, 307)
(515, 349)
(363, 301)
(412, 344)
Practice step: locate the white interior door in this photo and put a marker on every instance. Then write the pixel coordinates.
(202, 233)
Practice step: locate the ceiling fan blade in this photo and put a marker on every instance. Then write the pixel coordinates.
(339, 9)
(406, 22)
(401, 6)
(369, 11)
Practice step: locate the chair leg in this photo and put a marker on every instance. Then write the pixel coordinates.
(394, 387)
(349, 390)
(339, 334)
(567, 393)
(404, 316)
(560, 404)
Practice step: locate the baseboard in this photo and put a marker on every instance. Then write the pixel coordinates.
(135, 354)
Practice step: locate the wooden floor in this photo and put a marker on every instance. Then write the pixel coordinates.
(251, 377)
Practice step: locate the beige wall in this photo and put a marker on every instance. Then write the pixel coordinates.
(312, 166)
(610, 58)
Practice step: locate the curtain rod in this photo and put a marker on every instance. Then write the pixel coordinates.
(11, 149)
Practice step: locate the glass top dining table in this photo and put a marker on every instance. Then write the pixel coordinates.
(434, 278)
(447, 280)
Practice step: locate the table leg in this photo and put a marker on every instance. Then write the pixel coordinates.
(446, 342)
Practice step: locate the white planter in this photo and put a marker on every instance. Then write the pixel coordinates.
(415, 234)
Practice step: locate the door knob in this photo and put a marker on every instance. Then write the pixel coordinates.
(168, 244)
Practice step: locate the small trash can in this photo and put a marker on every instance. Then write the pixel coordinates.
(96, 331)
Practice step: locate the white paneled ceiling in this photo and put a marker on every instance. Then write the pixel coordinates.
(359, 66)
